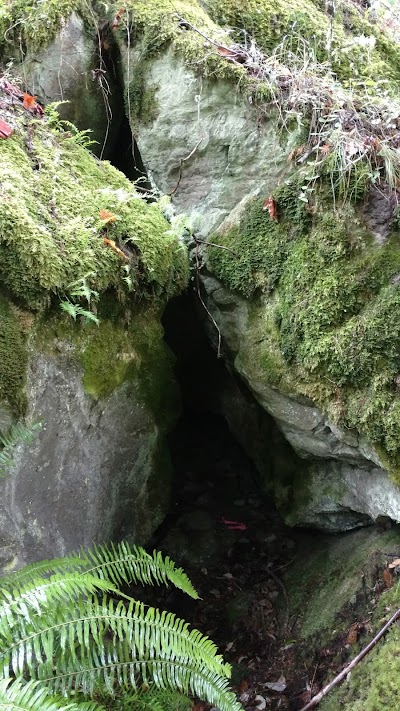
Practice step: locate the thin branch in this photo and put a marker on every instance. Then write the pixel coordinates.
(203, 303)
(326, 689)
(181, 162)
(214, 244)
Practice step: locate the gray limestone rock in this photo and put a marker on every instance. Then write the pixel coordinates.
(67, 71)
(232, 157)
(87, 477)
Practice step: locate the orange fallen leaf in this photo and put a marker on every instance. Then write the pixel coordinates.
(107, 217)
(352, 636)
(110, 243)
(117, 18)
(271, 206)
(388, 578)
(28, 102)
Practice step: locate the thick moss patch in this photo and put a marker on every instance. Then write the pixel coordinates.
(51, 231)
(32, 25)
(330, 328)
(297, 20)
(127, 347)
(13, 358)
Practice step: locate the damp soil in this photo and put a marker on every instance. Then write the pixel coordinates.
(232, 542)
(226, 533)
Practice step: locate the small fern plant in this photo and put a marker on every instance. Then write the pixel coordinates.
(17, 434)
(70, 638)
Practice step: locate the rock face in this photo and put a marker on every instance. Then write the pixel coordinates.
(89, 474)
(210, 121)
(70, 72)
(81, 347)
(206, 143)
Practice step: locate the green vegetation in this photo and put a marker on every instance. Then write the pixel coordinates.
(51, 231)
(330, 329)
(32, 25)
(373, 684)
(359, 49)
(58, 638)
(16, 434)
(13, 358)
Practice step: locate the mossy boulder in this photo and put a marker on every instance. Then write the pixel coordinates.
(305, 299)
(74, 233)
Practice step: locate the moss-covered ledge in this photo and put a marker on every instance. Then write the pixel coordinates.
(74, 231)
(324, 310)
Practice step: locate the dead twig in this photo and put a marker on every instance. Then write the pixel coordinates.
(214, 244)
(203, 303)
(326, 689)
(182, 161)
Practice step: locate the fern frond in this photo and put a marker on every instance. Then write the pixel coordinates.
(122, 563)
(33, 598)
(155, 700)
(117, 645)
(30, 696)
(16, 434)
(34, 571)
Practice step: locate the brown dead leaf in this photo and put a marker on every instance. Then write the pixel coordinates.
(110, 243)
(352, 636)
(225, 52)
(271, 206)
(388, 578)
(106, 217)
(325, 149)
(243, 686)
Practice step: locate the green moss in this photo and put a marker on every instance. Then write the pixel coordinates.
(143, 105)
(51, 233)
(298, 20)
(32, 25)
(13, 358)
(374, 683)
(257, 250)
(330, 328)
(127, 347)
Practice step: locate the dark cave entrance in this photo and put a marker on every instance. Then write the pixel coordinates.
(217, 492)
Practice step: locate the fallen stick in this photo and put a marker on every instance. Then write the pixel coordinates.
(326, 689)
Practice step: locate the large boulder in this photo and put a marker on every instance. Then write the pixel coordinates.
(86, 267)
(56, 50)
(302, 285)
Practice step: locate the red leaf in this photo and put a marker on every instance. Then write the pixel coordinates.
(271, 206)
(5, 129)
(234, 525)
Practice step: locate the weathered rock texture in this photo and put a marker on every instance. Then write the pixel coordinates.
(93, 474)
(75, 233)
(292, 296)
